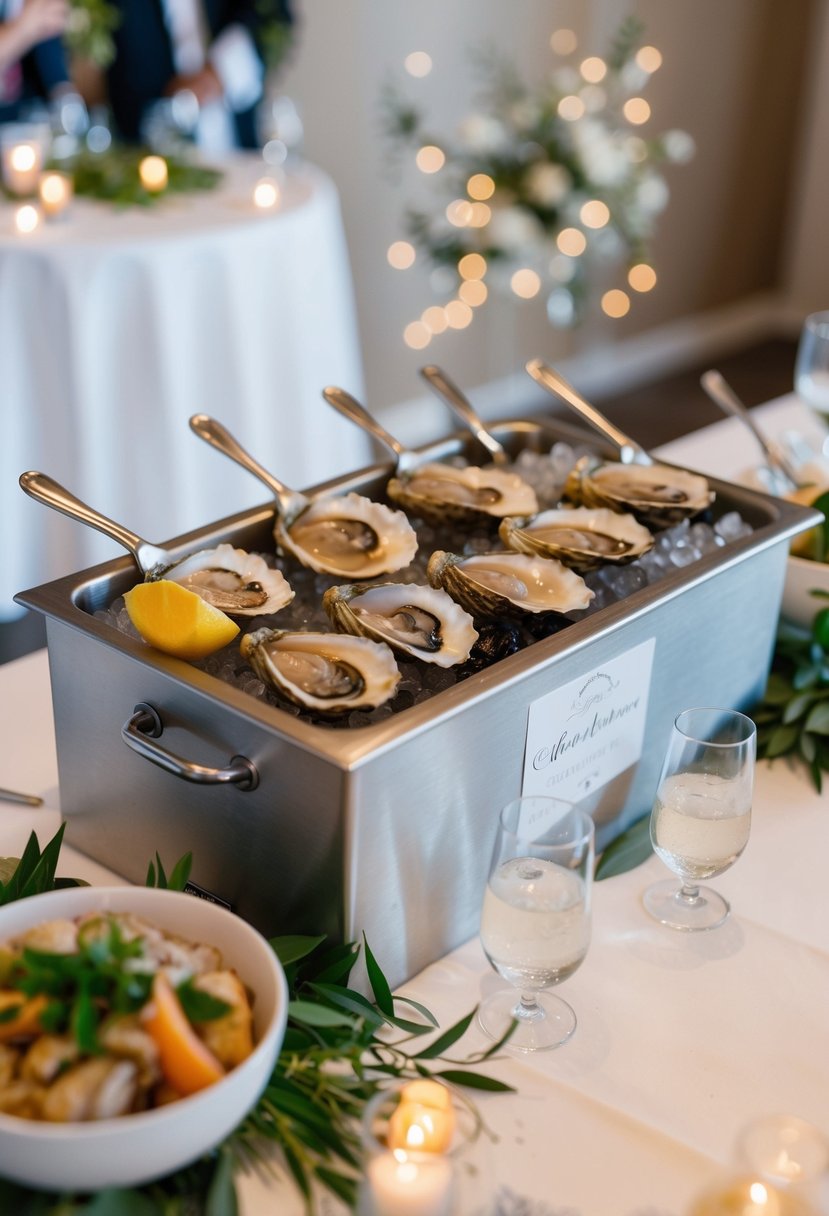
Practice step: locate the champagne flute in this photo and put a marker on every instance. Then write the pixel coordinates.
(702, 813)
(535, 921)
(811, 369)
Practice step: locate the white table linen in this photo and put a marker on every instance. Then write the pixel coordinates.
(117, 325)
(682, 1038)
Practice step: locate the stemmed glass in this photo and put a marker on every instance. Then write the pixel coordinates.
(811, 369)
(701, 814)
(535, 922)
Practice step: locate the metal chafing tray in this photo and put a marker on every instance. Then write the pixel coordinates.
(386, 828)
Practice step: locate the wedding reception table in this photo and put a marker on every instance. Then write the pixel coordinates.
(117, 324)
(683, 1039)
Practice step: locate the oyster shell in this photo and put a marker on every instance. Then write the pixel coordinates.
(654, 493)
(439, 491)
(349, 536)
(581, 537)
(238, 583)
(420, 621)
(331, 673)
(498, 584)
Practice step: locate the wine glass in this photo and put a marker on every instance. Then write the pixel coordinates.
(535, 921)
(811, 369)
(702, 813)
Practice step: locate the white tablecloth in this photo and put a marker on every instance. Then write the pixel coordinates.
(682, 1039)
(117, 325)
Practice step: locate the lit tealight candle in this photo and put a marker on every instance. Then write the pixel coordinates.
(153, 173)
(21, 167)
(26, 218)
(748, 1197)
(266, 194)
(424, 1118)
(56, 190)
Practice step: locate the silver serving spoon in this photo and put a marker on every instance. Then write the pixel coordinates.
(406, 460)
(44, 489)
(782, 477)
(448, 391)
(289, 502)
(630, 452)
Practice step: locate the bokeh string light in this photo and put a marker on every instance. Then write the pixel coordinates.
(545, 193)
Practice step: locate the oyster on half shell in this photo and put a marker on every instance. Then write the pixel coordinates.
(655, 493)
(581, 537)
(423, 622)
(330, 673)
(238, 583)
(349, 536)
(438, 492)
(508, 584)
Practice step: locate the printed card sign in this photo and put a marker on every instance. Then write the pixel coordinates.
(582, 735)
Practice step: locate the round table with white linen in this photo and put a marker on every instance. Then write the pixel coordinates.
(117, 324)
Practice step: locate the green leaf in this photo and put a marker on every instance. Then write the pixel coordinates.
(221, 1194)
(798, 706)
(474, 1080)
(818, 720)
(778, 690)
(627, 851)
(421, 1009)
(291, 949)
(341, 1186)
(119, 1203)
(378, 981)
(446, 1040)
(808, 748)
(200, 1006)
(346, 998)
(782, 741)
(316, 1015)
(181, 873)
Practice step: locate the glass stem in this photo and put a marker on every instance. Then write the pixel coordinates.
(527, 1007)
(688, 893)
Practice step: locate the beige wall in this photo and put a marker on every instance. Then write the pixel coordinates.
(731, 76)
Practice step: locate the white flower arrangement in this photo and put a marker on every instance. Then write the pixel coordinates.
(540, 184)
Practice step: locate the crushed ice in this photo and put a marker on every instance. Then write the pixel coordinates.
(675, 548)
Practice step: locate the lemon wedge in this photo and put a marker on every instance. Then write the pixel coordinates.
(178, 621)
(807, 544)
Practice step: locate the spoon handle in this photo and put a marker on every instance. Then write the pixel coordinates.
(723, 395)
(449, 392)
(630, 452)
(44, 489)
(220, 438)
(350, 408)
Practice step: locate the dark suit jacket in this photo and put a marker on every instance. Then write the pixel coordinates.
(44, 68)
(143, 65)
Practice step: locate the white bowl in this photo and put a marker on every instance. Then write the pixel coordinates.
(802, 576)
(134, 1149)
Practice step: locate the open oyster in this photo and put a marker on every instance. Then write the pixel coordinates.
(503, 584)
(440, 491)
(581, 537)
(654, 493)
(238, 583)
(420, 621)
(331, 673)
(349, 536)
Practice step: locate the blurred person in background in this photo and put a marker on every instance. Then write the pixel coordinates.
(205, 54)
(33, 64)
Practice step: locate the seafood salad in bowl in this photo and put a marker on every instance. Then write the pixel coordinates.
(137, 1028)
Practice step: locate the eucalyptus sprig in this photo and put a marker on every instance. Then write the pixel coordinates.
(793, 717)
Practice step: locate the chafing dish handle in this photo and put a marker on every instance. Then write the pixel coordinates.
(145, 725)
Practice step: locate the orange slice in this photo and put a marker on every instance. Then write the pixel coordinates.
(178, 621)
(26, 1019)
(187, 1065)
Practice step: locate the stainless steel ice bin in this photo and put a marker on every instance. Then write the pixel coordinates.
(387, 828)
